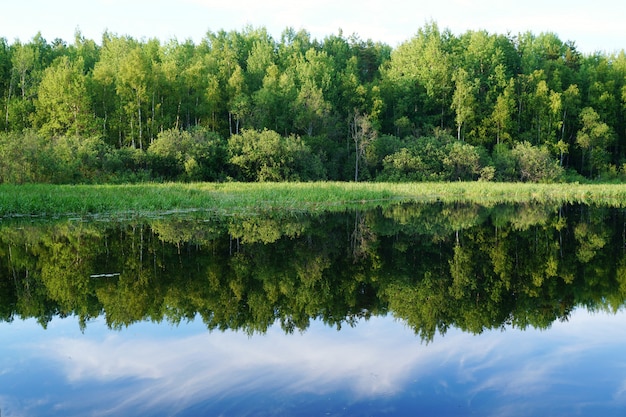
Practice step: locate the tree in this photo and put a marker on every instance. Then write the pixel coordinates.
(463, 101)
(5, 79)
(239, 101)
(418, 79)
(593, 139)
(24, 59)
(107, 101)
(132, 86)
(362, 134)
(570, 99)
(62, 104)
(312, 75)
(502, 112)
(272, 102)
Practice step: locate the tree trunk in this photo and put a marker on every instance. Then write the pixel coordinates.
(140, 125)
(356, 163)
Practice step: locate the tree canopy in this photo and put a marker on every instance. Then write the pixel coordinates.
(527, 92)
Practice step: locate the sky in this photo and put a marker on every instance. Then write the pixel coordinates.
(595, 26)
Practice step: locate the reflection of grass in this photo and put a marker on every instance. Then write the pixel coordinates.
(39, 199)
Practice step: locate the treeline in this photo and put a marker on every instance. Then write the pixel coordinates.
(242, 105)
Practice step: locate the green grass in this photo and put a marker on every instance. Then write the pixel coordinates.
(227, 198)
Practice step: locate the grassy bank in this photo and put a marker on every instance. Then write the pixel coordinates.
(65, 200)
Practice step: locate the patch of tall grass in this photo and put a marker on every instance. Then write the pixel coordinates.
(225, 198)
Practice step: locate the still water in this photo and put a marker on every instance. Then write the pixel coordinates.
(409, 310)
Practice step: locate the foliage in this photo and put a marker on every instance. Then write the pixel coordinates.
(196, 155)
(339, 94)
(535, 164)
(268, 156)
(593, 139)
(437, 158)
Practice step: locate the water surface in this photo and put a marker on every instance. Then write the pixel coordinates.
(411, 310)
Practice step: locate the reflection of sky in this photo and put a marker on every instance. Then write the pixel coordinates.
(377, 368)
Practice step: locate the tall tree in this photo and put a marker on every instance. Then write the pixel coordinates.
(593, 138)
(363, 134)
(62, 104)
(463, 100)
(132, 86)
(502, 113)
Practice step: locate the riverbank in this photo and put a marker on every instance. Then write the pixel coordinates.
(67, 200)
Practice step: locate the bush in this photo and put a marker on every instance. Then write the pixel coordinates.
(195, 155)
(126, 165)
(267, 156)
(24, 158)
(381, 147)
(440, 158)
(504, 163)
(462, 162)
(78, 160)
(30, 157)
(332, 155)
(535, 164)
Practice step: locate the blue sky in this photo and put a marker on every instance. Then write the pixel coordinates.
(594, 26)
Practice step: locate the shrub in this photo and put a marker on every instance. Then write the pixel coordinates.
(196, 155)
(267, 156)
(535, 163)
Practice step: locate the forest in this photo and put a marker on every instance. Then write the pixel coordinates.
(244, 106)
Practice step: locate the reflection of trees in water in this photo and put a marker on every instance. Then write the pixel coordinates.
(361, 238)
(433, 266)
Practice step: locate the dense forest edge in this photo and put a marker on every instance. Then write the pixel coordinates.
(243, 106)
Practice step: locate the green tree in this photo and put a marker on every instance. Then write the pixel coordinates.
(63, 105)
(24, 60)
(132, 86)
(267, 156)
(106, 99)
(463, 101)
(594, 138)
(417, 82)
(502, 113)
(362, 133)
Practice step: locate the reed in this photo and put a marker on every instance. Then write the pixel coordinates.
(226, 198)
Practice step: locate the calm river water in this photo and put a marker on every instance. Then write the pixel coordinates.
(408, 310)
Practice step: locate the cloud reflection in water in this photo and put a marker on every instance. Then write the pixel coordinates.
(508, 373)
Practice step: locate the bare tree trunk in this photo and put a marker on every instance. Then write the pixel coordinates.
(356, 163)
(140, 125)
(178, 115)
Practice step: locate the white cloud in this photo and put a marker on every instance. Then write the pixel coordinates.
(377, 359)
